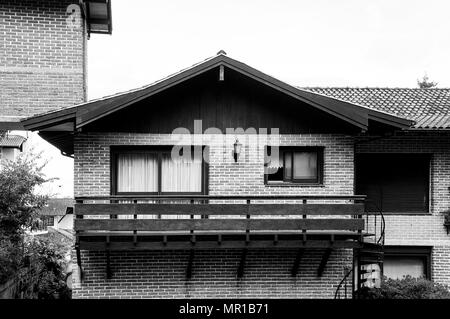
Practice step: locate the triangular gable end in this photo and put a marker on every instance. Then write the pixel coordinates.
(354, 114)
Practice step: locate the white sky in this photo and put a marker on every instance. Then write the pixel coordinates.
(305, 43)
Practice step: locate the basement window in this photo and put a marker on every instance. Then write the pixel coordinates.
(301, 165)
(402, 261)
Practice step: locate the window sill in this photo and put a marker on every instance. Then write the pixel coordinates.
(286, 184)
(407, 214)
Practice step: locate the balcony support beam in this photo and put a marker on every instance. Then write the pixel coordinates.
(189, 265)
(298, 259)
(77, 249)
(324, 262)
(240, 271)
(108, 259)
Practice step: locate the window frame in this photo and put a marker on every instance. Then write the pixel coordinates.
(159, 150)
(429, 183)
(319, 150)
(424, 252)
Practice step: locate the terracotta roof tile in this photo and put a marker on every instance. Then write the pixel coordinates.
(429, 108)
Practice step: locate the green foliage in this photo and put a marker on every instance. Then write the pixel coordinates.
(18, 201)
(407, 288)
(18, 208)
(45, 263)
(10, 259)
(425, 83)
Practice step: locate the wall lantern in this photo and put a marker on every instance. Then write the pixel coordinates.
(236, 150)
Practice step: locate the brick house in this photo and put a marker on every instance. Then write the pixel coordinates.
(222, 181)
(43, 67)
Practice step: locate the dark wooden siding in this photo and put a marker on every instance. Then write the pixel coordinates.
(236, 102)
(394, 182)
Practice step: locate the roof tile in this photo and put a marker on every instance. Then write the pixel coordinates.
(429, 108)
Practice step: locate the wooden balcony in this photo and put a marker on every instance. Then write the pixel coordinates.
(214, 222)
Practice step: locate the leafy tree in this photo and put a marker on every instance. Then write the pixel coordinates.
(46, 258)
(407, 288)
(19, 205)
(425, 83)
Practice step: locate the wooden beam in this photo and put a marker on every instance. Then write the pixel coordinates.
(221, 73)
(297, 261)
(324, 262)
(226, 244)
(240, 270)
(219, 209)
(218, 224)
(108, 264)
(77, 249)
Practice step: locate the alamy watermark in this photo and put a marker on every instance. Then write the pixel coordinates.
(198, 142)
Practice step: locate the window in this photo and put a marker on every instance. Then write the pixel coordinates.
(153, 172)
(44, 222)
(294, 165)
(393, 183)
(401, 261)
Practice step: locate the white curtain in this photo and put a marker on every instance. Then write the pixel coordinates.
(180, 175)
(137, 173)
(274, 164)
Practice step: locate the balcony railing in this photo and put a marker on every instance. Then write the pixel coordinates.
(208, 221)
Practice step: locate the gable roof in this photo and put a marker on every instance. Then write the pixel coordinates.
(429, 108)
(14, 141)
(91, 111)
(56, 206)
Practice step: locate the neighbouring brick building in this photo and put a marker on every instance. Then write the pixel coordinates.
(43, 60)
(43, 64)
(208, 224)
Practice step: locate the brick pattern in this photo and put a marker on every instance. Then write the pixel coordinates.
(92, 163)
(43, 58)
(440, 269)
(92, 169)
(422, 230)
(162, 274)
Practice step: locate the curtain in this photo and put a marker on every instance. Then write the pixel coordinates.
(180, 175)
(137, 172)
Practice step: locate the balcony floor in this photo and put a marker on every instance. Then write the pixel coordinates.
(213, 240)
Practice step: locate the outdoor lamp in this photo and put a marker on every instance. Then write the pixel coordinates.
(237, 150)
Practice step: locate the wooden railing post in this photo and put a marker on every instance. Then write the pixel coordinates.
(192, 231)
(304, 230)
(247, 231)
(77, 243)
(135, 231)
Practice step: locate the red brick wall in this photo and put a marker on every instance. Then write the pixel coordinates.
(162, 274)
(42, 58)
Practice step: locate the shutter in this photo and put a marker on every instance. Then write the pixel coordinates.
(393, 182)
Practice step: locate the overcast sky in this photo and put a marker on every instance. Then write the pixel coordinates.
(305, 43)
